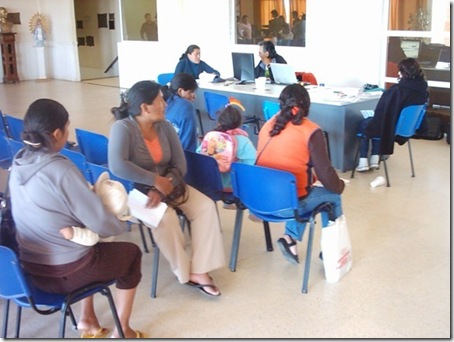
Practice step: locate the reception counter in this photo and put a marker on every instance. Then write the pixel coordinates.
(336, 110)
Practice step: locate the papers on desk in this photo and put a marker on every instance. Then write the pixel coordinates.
(367, 113)
(137, 206)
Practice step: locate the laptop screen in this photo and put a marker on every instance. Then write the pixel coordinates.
(283, 73)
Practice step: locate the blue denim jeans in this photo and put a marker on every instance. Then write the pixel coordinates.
(364, 144)
(317, 196)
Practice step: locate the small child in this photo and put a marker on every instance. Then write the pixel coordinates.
(230, 120)
(114, 196)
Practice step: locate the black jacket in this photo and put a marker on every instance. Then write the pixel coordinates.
(260, 68)
(387, 111)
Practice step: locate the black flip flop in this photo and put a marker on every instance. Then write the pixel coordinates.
(201, 288)
(285, 249)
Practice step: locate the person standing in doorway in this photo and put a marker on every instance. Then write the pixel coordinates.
(149, 29)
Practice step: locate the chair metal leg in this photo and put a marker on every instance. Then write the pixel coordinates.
(5, 319)
(154, 272)
(269, 243)
(411, 159)
(308, 255)
(236, 239)
(326, 135)
(18, 320)
(356, 158)
(142, 234)
(72, 317)
(200, 122)
(386, 172)
(106, 292)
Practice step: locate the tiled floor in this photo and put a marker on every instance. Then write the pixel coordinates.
(399, 286)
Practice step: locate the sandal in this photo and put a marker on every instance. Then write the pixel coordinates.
(201, 288)
(101, 333)
(285, 249)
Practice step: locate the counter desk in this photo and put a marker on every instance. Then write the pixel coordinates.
(336, 110)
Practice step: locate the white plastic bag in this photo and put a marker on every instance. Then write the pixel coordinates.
(336, 249)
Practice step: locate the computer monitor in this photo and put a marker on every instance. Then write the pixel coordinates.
(411, 48)
(444, 59)
(243, 66)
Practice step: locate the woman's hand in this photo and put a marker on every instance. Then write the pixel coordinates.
(163, 184)
(154, 198)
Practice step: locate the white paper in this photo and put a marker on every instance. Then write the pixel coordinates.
(367, 113)
(137, 206)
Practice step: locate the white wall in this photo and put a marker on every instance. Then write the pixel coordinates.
(344, 40)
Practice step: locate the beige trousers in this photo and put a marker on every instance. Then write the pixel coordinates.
(206, 238)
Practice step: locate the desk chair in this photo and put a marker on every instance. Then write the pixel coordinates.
(5, 152)
(93, 146)
(215, 102)
(15, 286)
(269, 109)
(265, 199)
(79, 160)
(14, 127)
(165, 78)
(410, 119)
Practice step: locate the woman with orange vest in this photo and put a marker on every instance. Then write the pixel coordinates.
(291, 142)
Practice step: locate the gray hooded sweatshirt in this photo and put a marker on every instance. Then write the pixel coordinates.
(48, 193)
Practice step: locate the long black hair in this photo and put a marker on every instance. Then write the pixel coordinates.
(229, 118)
(42, 118)
(141, 92)
(294, 102)
(181, 80)
(410, 69)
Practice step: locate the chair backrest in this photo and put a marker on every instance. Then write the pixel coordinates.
(203, 174)
(309, 77)
(214, 102)
(13, 283)
(264, 190)
(96, 170)
(269, 109)
(80, 161)
(5, 152)
(165, 78)
(15, 127)
(410, 119)
(93, 146)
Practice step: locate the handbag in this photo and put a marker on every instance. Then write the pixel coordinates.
(336, 250)
(179, 194)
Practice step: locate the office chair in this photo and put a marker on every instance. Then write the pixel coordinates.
(80, 161)
(93, 146)
(410, 119)
(269, 109)
(15, 286)
(215, 102)
(165, 78)
(265, 199)
(14, 127)
(5, 152)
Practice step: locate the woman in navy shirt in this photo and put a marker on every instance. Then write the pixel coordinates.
(191, 64)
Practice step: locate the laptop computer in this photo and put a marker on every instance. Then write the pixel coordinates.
(283, 73)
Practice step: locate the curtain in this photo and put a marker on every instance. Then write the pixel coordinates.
(266, 6)
(299, 6)
(400, 11)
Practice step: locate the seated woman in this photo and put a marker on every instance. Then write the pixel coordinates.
(190, 63)
(180, 110)
(411, 89)
(142, 146)
(289, 141)
(48, 193)
(267, 54)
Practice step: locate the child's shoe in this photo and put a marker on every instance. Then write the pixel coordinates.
(374, 161)
(363, 165)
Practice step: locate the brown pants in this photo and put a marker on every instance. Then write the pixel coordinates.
(107, 261)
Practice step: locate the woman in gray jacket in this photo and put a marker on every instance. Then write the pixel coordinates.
(48, 193)
(142, 145)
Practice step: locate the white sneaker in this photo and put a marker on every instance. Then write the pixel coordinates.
(363, 165)
(374, 161)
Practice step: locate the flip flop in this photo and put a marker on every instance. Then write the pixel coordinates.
(101, 333)
(201, 288)
(285, 249)
(138, 333)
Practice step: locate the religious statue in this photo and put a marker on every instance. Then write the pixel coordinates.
(39, 28)
(5, 25)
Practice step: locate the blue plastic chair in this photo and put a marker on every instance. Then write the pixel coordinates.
(409, 121)
(93, 146)
(15, 286)
(5, 152)
(165, 78)
(214, 102)
(80, 161)
(14, 146)
(266, 192)
(15, 126)
(269, 109)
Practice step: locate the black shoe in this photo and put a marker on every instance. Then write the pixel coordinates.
(285, 249)
(321, 256)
